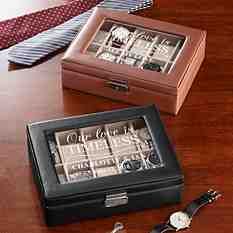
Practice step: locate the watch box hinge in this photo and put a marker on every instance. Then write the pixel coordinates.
(118, 86)
(118, 199)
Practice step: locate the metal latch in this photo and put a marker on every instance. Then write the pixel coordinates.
(118, 86)
(116, 200)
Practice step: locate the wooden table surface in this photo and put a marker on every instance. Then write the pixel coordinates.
(202, 132)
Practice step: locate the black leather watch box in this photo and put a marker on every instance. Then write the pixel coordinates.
(102, 164)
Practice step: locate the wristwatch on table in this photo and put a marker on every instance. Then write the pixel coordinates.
(182, 219)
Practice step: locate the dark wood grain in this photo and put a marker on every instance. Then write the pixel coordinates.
(202, 132)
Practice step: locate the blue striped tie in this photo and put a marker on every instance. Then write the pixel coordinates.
(34, 49)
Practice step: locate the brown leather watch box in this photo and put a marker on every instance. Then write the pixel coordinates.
(134, 59)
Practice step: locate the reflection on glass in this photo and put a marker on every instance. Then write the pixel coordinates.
(103, 150)
(136, 46)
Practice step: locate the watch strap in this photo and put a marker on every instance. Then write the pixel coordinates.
(203, 200)
(162, 228)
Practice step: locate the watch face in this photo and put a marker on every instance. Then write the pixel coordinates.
(131, 165)
(152, 159)
(107, 56)
(144, 134)
(121, 33)
(180, 220)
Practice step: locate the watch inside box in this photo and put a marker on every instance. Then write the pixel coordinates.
(81, 154)
(136, 46)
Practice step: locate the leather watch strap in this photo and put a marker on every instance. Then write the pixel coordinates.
(190, 210)
(195, 205)
(203, 200)
(162, 228)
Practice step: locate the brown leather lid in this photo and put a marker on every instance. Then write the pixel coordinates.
(76, 60)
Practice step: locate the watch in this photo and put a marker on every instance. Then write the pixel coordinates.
(107, 56)
(120, 36)
(182, 219)
(153, 159)
(131, 165)
(152, 66)
(144, 134)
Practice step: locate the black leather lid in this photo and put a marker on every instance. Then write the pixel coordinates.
(55, 193)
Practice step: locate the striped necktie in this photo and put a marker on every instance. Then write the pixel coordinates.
(26, 26)
(34, 49)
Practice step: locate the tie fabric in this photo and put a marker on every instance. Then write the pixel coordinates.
(20, 28)
(36, 48)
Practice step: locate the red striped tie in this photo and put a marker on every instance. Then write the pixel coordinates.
(21, 28)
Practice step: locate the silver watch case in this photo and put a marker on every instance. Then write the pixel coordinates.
(179, 220)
